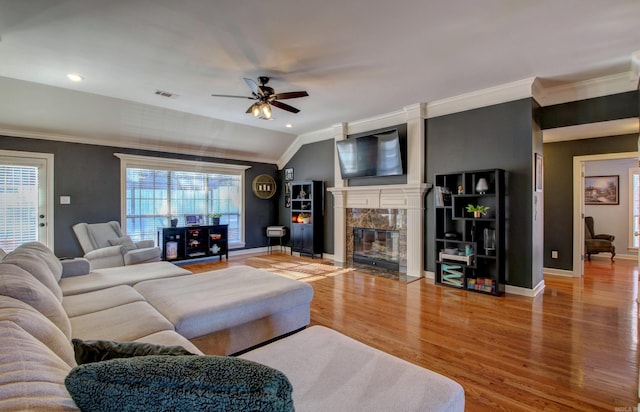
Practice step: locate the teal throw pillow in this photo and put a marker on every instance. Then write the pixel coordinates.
(87, 351)
(179, 383)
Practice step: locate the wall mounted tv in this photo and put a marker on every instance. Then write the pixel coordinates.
(374, 155)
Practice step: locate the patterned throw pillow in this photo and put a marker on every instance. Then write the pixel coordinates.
(179, 383)
(89, 351)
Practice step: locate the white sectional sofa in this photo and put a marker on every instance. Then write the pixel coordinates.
(40, 311)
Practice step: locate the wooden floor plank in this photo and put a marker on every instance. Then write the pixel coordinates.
(573, 347)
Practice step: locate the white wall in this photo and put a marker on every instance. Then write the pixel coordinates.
(613, 219)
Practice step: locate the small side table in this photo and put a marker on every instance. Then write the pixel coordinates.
(275, 232)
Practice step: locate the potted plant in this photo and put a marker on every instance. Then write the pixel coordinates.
(303, 218)
(477, 210)
(215, 218)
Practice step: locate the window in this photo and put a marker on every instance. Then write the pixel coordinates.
(156, 190)
(634, 207)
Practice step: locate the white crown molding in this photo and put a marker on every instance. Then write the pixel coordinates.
(588, 89)
(377, 122)
(155, 147)
(301, 140)
(591, 130)
(481, 98)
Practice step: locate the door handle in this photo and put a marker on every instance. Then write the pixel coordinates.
(636, 233)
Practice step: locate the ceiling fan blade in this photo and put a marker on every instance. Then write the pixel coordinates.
(284, 106)
(290, 95)
(228, 95)
(257, 90)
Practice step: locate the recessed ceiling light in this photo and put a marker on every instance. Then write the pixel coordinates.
(75, 77)
(289, 125)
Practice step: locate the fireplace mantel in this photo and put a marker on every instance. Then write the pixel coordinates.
(404, 196)
(382, 196)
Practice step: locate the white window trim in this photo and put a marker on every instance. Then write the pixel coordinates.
(632, 171)
(132, 161)
(48, 159)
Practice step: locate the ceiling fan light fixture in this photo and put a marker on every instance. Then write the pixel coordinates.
(266, 110)
(255, 109)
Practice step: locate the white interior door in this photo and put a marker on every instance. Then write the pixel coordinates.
(26, 198)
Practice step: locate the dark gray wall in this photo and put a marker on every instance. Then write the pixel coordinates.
(314, 161)
(558, 187)
(494, 137)
(90, 174)
(598, 109)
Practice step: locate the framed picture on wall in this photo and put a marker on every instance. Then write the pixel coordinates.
(601, 190)
(287, 201)
(538, 172)
(288, 174)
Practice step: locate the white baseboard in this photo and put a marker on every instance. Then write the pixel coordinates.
(517, 290)
(559, 272)
(607, 256)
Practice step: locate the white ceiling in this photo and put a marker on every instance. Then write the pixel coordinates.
(357, 59)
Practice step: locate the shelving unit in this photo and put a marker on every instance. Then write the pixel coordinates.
(470, 251)
(307, 199)
(192, 242)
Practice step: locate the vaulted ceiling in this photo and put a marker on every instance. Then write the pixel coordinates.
(357, 59)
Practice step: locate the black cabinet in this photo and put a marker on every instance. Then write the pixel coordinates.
(307, 217)
(180, 243)
(470, 247)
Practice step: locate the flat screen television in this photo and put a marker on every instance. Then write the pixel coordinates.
(374, 155)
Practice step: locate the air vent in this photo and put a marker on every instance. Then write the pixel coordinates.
(166, 94)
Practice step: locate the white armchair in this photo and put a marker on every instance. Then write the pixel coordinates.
(105, 246)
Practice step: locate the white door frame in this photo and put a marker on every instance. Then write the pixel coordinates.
(578, 203)
(48, 194)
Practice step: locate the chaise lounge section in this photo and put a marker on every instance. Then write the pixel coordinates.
(327, 370)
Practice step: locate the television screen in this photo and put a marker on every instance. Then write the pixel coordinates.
(374, 155)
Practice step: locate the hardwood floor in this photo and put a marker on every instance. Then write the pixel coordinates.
(574, 347)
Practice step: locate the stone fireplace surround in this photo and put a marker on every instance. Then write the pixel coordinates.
(397, 207)
(380, 219)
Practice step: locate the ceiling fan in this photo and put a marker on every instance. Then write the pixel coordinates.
(265, 97)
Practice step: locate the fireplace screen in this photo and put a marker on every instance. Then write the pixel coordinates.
(376, 247)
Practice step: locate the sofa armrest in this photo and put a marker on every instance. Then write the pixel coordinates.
(145, 244)
(75, 267)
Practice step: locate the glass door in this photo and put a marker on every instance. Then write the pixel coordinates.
(26, 182)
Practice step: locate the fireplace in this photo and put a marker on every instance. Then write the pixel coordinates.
(375, 247)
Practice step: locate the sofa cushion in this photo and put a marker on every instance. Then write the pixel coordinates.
(188, 383)
(122, 275)
(88, 351)
(221, 299)
(332, 372)
(20, 284)
(76, 305)
(31, 375)
(38, 326)
(46, 255)
(125, 323)
(32, 263)
(124, 241)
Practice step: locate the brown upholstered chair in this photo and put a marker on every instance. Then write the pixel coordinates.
(594, 244)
